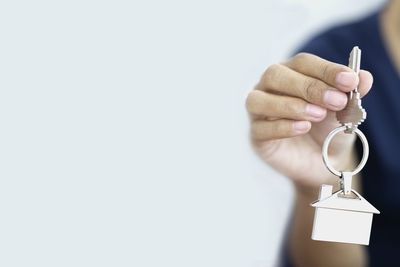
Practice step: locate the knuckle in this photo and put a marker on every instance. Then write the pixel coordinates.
(288, 108)
(272, 73)
(312, 90)
(329, 70)
(300, 58)
(325, 73)
(296, 109)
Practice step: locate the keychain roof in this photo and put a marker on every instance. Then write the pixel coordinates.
(334, 201)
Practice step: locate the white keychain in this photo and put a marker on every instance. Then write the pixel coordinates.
(345, 216)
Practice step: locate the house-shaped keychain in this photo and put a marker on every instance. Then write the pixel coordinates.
(342, 218)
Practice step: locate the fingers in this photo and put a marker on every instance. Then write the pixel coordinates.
(283, 80)
(290, 96)
(277, 129)
(333, 74)
(277, 106)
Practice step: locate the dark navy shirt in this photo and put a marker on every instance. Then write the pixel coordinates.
(381, 175)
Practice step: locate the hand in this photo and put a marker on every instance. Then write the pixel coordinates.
(292, 110)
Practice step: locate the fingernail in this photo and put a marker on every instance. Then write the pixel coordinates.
(335, 99)
(346, 78)
(301, 126)
(315, 111)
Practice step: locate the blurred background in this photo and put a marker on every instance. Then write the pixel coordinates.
(124, 137)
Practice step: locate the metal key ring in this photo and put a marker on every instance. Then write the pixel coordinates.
(329, 139)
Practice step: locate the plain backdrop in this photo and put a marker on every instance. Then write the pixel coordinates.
(124, 137)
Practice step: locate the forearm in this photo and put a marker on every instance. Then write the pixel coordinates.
(306, 252)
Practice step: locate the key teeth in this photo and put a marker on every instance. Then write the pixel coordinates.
(351, 115)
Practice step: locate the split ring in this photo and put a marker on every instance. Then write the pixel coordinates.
(328, 141)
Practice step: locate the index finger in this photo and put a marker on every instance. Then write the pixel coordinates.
(334, 74)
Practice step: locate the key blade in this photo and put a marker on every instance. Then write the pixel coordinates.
(355, 59)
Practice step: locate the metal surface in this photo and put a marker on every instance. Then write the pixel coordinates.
(328, 140)
(353, 114)
(345, 184)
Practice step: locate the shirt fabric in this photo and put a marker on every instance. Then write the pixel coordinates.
(381, 176)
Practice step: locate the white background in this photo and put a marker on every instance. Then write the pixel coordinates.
(124, 134)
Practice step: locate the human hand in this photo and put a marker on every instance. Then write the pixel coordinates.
(292, 109)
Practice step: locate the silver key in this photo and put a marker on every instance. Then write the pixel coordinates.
(353, 114)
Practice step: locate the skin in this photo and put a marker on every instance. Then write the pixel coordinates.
(292, 109)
